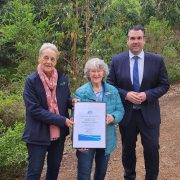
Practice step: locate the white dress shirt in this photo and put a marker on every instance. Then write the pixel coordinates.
(140, 65)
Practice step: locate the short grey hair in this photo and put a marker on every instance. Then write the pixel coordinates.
(50, 46)
(95, 63)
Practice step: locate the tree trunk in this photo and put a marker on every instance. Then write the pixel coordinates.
(87, 29)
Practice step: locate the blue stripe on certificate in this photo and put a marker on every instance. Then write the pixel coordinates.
(83, 137)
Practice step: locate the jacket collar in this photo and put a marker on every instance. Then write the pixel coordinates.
(90, 92)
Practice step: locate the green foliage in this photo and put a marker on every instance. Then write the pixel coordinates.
(174, 72)
(26, 24)
(161, 39)
(170, 10)
(148, 10)
(13, 156)
(108, 43)
(108, 35)
(12, 83)
(24, 68)
(114, 13)
(158, 35)
(2, 128)
(126, 13)
(11, 109)
(4, 77)
(20, 31)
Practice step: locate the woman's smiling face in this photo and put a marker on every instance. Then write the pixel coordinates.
(48, 60)
(96, 75)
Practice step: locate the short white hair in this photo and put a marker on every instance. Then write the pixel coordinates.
(50, 46)
(95, 63)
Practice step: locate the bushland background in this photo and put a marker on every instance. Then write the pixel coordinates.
(81, 29)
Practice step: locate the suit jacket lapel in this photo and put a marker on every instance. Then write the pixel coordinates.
(126, 65)
(146, 69)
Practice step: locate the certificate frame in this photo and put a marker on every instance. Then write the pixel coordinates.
(89, 129)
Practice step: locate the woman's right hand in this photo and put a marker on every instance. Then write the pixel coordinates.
(69, 123)
(75, 100)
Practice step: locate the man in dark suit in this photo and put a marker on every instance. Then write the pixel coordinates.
(141, 78)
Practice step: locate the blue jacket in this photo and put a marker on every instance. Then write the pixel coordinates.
(38, 117)
(113, 106)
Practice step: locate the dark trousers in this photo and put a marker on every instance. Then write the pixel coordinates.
(85, 162)
(36, 157)
(150, 143)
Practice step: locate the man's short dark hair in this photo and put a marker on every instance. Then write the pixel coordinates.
(137, 28)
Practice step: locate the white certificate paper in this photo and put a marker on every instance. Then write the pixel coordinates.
(89, 129)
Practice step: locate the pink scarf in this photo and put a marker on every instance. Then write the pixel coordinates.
(50, 89)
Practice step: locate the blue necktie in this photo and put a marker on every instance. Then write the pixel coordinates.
(136, 84)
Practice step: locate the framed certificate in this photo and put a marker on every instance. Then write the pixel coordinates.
(89, 129)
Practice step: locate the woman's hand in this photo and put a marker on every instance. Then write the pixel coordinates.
(109, 119)
(69, 123)
(75, 100)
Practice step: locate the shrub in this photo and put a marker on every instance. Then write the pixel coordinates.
(3, 81)
(2, 128)
(174, 72)
(161, 39)
(11, 110)
(13, 156)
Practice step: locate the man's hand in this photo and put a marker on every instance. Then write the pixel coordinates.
(135, 97)
(142, 96)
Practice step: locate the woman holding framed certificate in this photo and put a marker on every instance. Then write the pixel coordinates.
(96, 90)
(47, 100)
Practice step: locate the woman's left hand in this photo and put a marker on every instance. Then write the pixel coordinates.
(75, 100)
(109, 119)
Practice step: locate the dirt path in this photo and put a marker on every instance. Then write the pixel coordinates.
(169, 146)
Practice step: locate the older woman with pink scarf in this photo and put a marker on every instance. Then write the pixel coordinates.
(47, 99)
